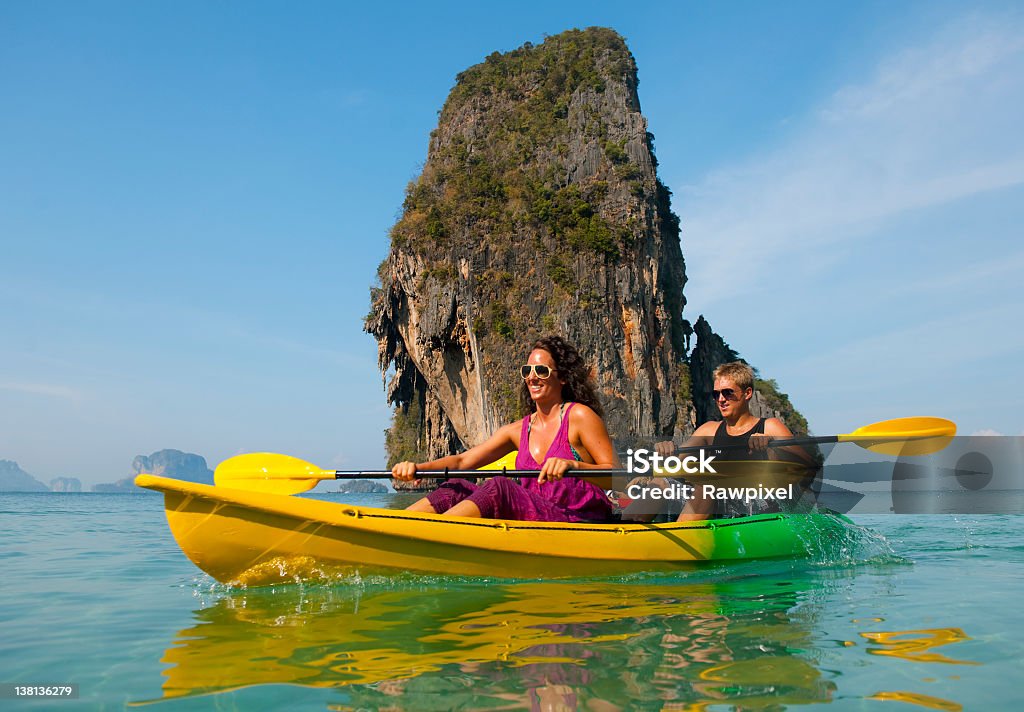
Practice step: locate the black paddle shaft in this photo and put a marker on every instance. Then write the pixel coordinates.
(816, 440)
(449, 474)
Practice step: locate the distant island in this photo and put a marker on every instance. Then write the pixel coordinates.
(179, 465)
(362, 487)
(15, 479)
(65, 484)
(167, 463)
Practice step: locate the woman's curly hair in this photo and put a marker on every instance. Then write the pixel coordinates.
(578, 387)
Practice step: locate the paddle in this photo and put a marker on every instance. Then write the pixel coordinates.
(283, 474)
(921, 435)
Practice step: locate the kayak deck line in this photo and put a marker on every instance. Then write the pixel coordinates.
(254, 538)
(623, 527)
(359, 512)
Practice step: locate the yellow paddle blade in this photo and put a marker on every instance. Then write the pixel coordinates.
(269, 472)
(904, 436)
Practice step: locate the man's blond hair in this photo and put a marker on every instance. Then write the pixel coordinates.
(738, 372)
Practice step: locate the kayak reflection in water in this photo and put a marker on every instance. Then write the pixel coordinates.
(562, 431)
(742, 437)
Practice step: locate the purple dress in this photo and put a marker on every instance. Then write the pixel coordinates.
(566, 500)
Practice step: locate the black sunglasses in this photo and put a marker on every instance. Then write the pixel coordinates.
(729, 394)
(538, 369)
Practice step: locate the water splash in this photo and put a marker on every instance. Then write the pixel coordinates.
(839, 542)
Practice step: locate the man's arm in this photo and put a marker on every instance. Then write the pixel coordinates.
(698, 508)
(775, 429)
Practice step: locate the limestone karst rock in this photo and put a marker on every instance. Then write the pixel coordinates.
(174, 463)
(538, 210)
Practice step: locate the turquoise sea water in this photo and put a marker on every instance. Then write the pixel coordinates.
(913, 611)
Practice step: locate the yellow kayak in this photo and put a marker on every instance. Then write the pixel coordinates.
(253, 538)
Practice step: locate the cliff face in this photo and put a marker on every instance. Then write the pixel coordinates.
(538, 211)
(710, 351)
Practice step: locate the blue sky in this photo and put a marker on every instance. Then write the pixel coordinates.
(197, 195)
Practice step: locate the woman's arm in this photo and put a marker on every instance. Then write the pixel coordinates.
(501, 443)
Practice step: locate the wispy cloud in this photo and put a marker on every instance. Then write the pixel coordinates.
(931, 125)
(162, 316)
(986, 270)
(922, 351)
(344, 97)
(48, 390)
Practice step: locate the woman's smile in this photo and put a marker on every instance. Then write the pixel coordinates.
(537, 387)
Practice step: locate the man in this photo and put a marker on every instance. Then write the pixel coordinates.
(739, 435)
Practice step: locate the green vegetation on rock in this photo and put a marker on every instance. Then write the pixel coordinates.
(779, 402)
(404, 439)
(508, 172)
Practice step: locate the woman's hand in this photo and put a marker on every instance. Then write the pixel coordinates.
(404, 471)
(554, 468)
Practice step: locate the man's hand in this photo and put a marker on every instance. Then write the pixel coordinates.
(758, 442)
(665, 448)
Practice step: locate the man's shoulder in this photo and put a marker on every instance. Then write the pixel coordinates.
(708, 428)
(774, 426)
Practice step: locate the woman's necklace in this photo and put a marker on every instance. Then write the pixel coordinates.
(542, 421)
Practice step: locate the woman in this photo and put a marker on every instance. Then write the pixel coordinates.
(562, 431)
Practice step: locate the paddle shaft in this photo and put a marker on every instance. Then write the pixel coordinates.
(811, 440)
(445, 474)
(442, 474)
(817, 440)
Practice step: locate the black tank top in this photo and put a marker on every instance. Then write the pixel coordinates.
(723, 438)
